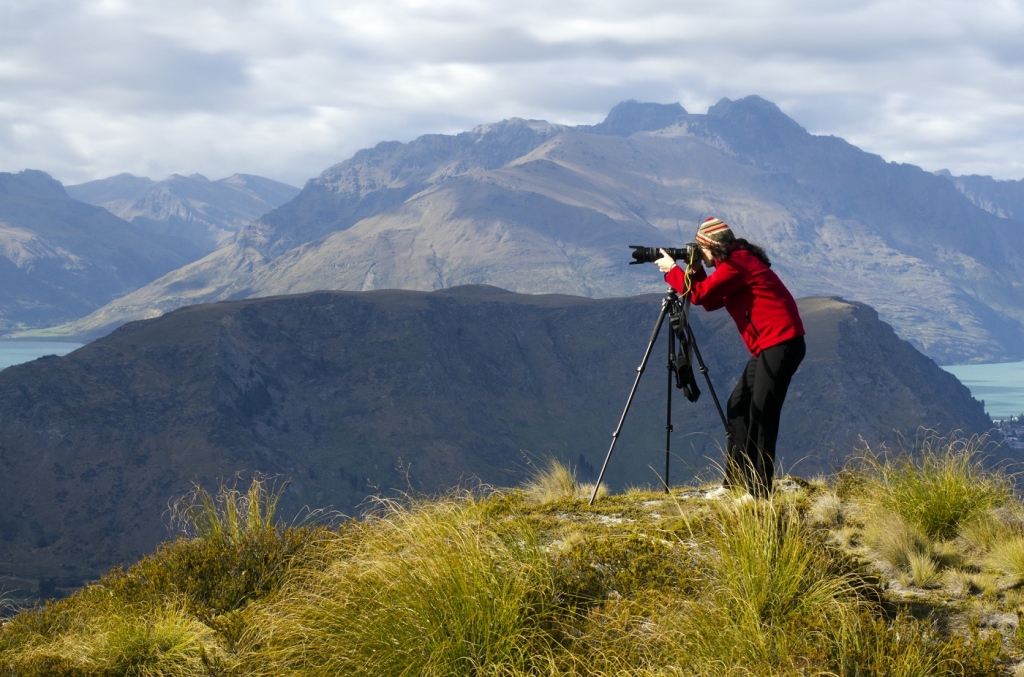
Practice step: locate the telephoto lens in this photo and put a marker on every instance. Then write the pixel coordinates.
(652, 254)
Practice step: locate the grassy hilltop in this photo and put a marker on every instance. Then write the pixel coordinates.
(901, 564)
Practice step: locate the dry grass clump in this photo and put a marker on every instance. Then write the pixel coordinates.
(1008, 558)
(826, 510)
(937, 488)
(427, 588)
(557, 482)
(771, 584)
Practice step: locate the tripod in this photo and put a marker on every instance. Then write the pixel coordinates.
(680, 369)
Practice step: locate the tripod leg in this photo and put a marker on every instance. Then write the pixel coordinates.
(632, 392)
(668, 403)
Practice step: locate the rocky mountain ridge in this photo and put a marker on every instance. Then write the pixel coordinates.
(206, 213)
(1004, 199)
(537, 207)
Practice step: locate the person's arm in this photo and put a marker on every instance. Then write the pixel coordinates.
(711, 291)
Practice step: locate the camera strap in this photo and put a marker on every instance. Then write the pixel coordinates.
(682, 362)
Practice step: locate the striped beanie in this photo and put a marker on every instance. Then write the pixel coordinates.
(714, 231)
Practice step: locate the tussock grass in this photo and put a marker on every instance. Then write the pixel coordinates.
(993, 527)
(1008, 558)
(924, 569)
(897, 542)
(938, 488)
(163, 641)
(427, 588)
(151, 642)
(229, 513)
(770, 582)
(557, 482)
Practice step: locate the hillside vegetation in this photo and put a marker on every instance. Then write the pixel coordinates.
(905, 563)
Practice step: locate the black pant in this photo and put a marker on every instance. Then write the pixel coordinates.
(754, 409)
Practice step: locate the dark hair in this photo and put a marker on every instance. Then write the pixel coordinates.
(720, 252)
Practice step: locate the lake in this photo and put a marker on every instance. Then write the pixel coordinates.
(16, 351)
(1001, 386)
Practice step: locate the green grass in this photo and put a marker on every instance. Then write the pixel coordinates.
(773, 593)
(427, 588)
(1007, 558)
(556, 482)
(839, 577)
(938, 487)
(230, 513)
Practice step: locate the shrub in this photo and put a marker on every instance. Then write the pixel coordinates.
(215, 576)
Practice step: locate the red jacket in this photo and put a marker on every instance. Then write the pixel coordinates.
(762, 307)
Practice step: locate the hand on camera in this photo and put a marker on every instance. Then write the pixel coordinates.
(666, 262)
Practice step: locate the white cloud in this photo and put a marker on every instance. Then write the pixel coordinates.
(285, 88)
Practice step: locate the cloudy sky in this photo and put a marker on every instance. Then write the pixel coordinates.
(286, 88)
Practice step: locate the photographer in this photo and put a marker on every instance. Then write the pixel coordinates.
(767, 318)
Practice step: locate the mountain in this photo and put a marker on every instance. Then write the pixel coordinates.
(352, 393)
(206, 213)
(1005, 199)
(61, 259)
(536, 207)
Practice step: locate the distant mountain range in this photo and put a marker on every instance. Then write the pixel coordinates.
(353, 393)
(62, 257)
(206, 213)
(536, 207)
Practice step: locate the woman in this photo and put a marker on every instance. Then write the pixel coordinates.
(767, 318)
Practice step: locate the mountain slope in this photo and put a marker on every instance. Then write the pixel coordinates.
(206, 213)
(61, 259)
(1002, 198)
(536, 207)
(349, 393)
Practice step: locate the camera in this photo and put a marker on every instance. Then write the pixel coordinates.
(652, 254)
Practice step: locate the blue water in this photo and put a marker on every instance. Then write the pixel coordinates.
(1001, 386)
(16, 351)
